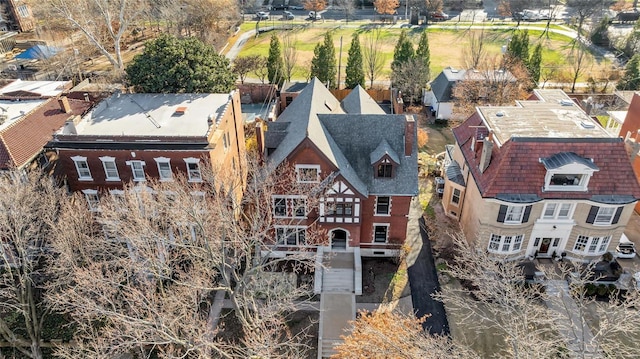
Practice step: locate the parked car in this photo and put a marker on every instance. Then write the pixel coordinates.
(280, 7)
(626, 249)
(438, 16)
(296, 7)
(314, 15)
(287, 15)
(261, 15)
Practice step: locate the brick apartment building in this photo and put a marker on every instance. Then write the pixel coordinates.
(134, 138)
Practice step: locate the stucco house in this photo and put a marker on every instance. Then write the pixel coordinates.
(540, 178)
(367, 160)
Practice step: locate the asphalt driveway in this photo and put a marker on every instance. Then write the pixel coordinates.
(423, 280)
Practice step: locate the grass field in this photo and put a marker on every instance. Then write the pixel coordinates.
(447, 46)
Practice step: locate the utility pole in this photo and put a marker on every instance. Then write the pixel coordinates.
(339, 63)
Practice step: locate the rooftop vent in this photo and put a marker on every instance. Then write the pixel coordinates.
(500, 114)
(587, 124)
(180, 111)
(454, 70)
(566, 102)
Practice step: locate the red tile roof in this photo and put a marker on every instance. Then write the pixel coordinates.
(24, 139)
(515, 167)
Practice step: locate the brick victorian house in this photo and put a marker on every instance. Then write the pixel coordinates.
(366, 158)
(540, 178)
(138, 137)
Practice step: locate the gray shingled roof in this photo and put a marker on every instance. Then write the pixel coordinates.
(565, 158)
(359, 101)
(442, 86)
(454, 173)
(302, 116)
(371, 130)
(347, 140)
(384, 149)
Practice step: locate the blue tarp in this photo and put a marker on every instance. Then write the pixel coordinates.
(38, 52)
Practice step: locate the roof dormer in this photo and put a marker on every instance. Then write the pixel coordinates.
(384, 160)
(567, 171)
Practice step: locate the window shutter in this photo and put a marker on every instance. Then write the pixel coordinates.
(502, 213)
(527, 212)
(616, 217)
(592, 214)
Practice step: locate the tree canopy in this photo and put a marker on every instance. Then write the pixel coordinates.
(323, 64)
(631, 78)
(355, 70)
(403, 50)
(180, 65)
(275, 65)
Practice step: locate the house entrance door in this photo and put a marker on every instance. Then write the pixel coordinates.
(544, 246)
(338, 239)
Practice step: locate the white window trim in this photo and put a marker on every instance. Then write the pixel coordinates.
(582, 186)
(297, 229)
(556, 212)
(599, 242)
(613, 214)
(373, 237)
(163, 160)
(514, 221)
(300, 167)
(133, 170)
(193, 160)
(501, 242)
(375, 208)
(109, 159)
(77, 159)
(88, 195)
(286, 210)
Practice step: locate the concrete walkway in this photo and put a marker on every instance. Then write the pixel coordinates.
(423, 278)
(575, 330)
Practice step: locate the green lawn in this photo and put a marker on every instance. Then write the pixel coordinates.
(447, 45)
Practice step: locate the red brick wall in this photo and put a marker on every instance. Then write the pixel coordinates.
(66, 166)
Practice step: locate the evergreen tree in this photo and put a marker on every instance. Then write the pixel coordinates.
(423, 54)
(187, 65)
(518, 48)
(323, 64)
(630, 81)
(534, 64)
(354, 71)
(275, 66)
(403, 51)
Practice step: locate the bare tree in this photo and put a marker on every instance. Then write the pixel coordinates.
(583, 10)
(348, 7)
(555, 316)
(28, 208)
(104, 23)
(261, 68)
(372, 54)
(490, 84)
(289, 55)
(578, 60)
(411, 77)
(475, 52)
(243, 65)
(151, 270)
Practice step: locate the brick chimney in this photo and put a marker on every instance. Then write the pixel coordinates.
(485, 156)
(64, 104)
(409, 134)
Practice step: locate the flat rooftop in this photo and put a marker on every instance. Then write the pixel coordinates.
(154, 115)
(15, 110)
(555, 115)
(41, 88)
